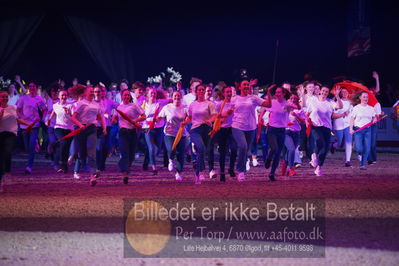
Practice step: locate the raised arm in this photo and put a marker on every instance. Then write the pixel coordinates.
(377, 81)
(268, 102)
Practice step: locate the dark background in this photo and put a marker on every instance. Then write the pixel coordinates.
(210, 40)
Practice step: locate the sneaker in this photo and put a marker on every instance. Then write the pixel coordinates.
(313, 163)
(178, 176)
(359, 157)
(241, 177)
(248, 166)
(60, 170)
(291, 172)
(268, 163)
(272, 178)
(255, 162)
(297, 165)
(371, 162)
(318, 171)
(76, 175)
(222, 178)
(283, 167)
(232, 173)
(363, 167)
(28, 170)
(93, 180)
(212, 174)
(348, 164)
(171, 166)
(201, 176)
(125, 180)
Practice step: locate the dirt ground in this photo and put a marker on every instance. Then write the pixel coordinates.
(50, 218)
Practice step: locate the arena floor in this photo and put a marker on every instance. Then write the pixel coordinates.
(50, 218)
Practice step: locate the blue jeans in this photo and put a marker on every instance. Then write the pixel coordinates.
(113, 137)
(154, 143)
(265, 143)
(179, 152)
(128, 143)
(254, 146)
(51, 139)
(86, 143)
(64, 146)
(30, 144)
(200, 138)
(244, 140)
(362, 144)
(344, 134)
(373, 143)
(291, 143)
(225, 141)
(275, 137)
(322, 137)
(102, 148)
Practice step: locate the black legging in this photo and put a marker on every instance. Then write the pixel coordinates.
(7, 143)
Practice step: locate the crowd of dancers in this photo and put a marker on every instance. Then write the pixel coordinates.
(82, 125)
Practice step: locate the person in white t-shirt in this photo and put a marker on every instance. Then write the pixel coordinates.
(174, 115)
(31, 108)
(85, 114)
(278, 121)
(362, 114)
(201, 113)
(224, 137)
(341, 126)
(154, 136)
(296, 117)
(63, 125)
(244, 122)
(127, 133)
(103, 141)
(319, 114)
(8, 133)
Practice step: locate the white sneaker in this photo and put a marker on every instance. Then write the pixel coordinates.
(201, 176)
(248, 166)
(212, 174)
(255, 162)
(171, 166)
(314, 163)
(241, 177)
(178, 176)
(318, 171)
(76, 175)
(28, 170)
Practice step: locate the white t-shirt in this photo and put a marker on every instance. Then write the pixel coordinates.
(229, 120)
(149, 110)
(132, 110)
(174, 116)
(13, 99)
(343, 122)
(244, 111)
(293, 123)
(362, 115)
(87, 111)
(200, 112)
(50, 103)
(188, 99)
(62, 118)
(9, 120)
(377, 108)
(320, 112)
(30, 108)
(278, 114)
